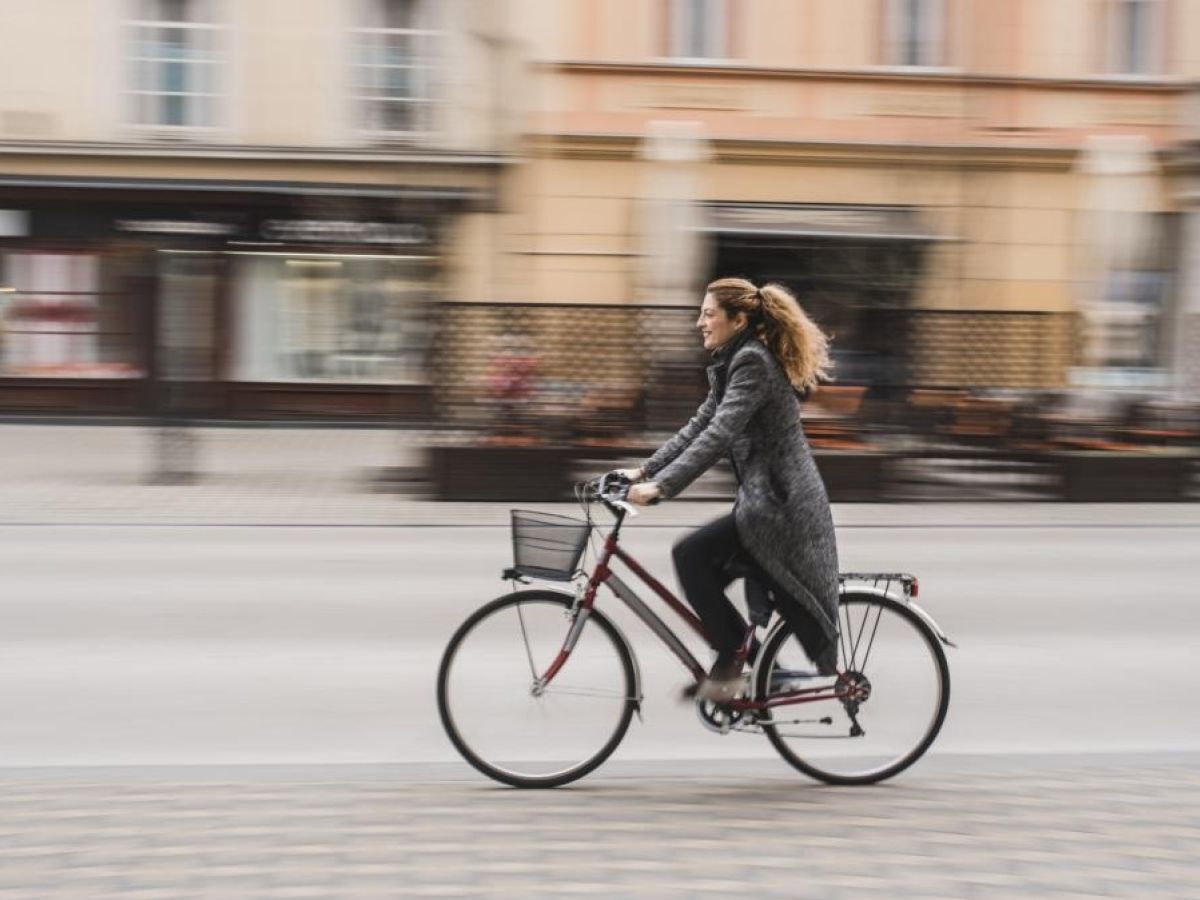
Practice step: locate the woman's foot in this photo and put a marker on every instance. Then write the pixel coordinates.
(724, 683)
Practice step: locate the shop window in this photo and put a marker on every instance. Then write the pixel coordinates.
(1130, 319)
(1133, 38)
(395, 54)
(175, 64)
(913, 32)
(341, 319)
(697, 29)
(64, 316)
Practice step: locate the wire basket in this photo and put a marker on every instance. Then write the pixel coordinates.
(547, 546)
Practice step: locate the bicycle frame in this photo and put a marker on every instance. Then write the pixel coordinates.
(603, 574)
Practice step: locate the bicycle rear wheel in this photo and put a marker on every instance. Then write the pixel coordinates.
(497, 718)
(896, 668)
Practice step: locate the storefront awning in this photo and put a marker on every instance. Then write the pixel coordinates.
(862, 223)
(264, 188)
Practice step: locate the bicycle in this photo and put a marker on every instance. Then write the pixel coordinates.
(530, 706)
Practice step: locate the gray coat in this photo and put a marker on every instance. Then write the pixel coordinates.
(782, 512)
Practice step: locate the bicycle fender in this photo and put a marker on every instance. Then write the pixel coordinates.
(928, 620)
(907, 601)
(873, 591)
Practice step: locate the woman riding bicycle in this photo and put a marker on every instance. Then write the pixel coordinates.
(766, 353)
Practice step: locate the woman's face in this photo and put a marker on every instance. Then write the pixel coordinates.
(715, 325)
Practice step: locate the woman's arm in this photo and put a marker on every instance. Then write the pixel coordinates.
(743, 396)
(677, 444)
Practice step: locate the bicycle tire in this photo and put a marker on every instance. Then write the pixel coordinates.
(491, 768)
(778, 640)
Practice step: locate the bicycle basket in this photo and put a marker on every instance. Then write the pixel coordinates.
(547, 546)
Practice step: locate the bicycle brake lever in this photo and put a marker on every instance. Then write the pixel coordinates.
(627, 506)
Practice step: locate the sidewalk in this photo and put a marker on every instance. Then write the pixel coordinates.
(102, 474)
(1087, 832)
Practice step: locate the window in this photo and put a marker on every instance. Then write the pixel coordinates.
(333, 318)
(176, 55)
(394, 67)
(64, 316)
(697, 29)
(914, 33)
(1134, 37)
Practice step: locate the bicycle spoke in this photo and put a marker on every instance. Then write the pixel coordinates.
(858, 640)
(525, 638)
(871, 642)
(843, 638)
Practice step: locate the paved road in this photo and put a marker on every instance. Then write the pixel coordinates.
(178, 645)
(1085, 831)
(283, 677)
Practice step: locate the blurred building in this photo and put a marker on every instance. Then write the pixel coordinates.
(220, 207)
(240, 207)
(966, 193)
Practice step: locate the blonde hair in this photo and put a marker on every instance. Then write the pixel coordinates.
(778, 321)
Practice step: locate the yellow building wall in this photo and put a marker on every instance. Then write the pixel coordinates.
(1007, 235)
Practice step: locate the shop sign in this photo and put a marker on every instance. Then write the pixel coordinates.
(320, 231)
(800, 217)
(176, 227)
(863, 222)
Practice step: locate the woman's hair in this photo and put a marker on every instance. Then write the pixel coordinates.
(779, 322)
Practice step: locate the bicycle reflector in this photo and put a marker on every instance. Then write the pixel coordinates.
(915, 590)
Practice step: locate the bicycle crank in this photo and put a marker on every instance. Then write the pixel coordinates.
(717, 717)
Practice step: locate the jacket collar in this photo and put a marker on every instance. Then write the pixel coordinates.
(718, 369)
(723, 354)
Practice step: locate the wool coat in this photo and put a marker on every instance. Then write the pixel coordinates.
(752, 415)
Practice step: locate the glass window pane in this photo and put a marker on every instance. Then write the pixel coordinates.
(398, 48)
(397, 115)
(173, 11)
(173, 110)
(399, 13)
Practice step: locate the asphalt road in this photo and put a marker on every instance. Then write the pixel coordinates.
(215, 711)
(131, 645)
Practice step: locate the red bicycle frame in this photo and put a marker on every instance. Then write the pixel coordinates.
(603, 574)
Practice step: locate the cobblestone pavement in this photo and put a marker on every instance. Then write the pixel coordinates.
(1131, 831)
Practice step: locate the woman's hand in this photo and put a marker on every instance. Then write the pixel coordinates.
(634, 475)
(644, 494)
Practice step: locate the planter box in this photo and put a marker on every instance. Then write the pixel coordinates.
(1099, 477)
(513, 474)
(854, 477)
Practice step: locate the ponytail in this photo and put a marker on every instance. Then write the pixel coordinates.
(794, 339)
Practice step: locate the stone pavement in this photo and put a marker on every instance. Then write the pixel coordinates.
(1089, 830)
(100, 474)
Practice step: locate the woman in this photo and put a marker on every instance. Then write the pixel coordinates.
(765, 352)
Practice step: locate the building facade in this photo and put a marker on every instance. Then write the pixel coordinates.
(250, 208)
(965, 193)
(231, 208)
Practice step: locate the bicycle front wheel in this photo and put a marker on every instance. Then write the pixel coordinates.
(499, 719)
(895, 688)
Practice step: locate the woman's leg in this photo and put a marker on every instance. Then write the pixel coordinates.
(700, 560)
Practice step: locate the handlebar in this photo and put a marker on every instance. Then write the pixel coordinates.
(612, 489)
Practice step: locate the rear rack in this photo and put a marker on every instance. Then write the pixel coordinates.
(880, 581)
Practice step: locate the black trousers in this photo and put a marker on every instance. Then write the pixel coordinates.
(701, 562)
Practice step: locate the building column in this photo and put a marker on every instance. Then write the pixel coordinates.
(1186, 349)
